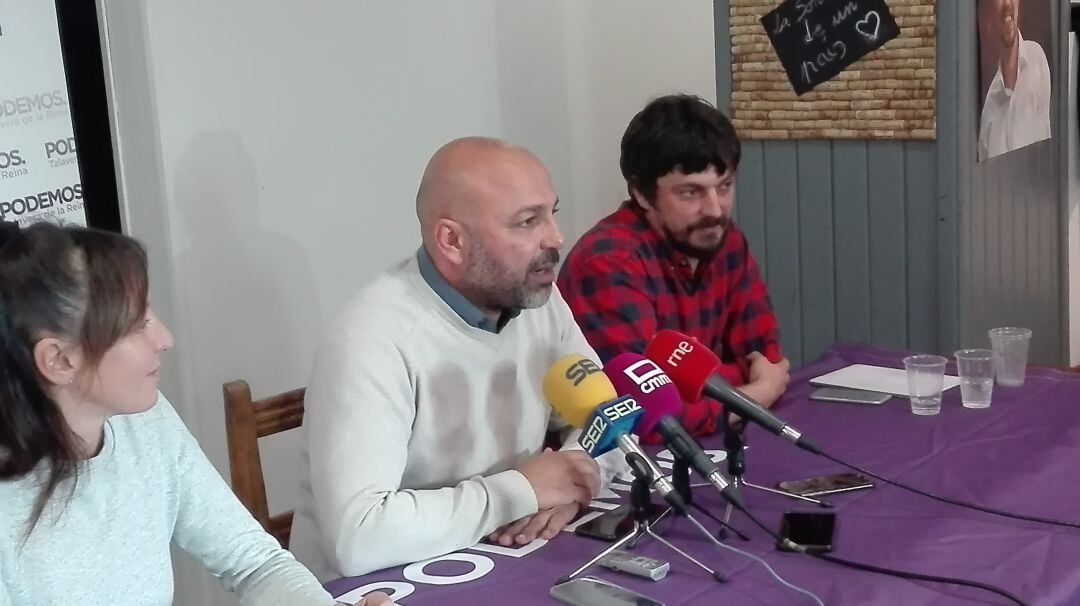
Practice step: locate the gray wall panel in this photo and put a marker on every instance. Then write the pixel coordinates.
(851, 241)
(954, 150)
(921, 229)
(888, 244)
(782, 242)
(816, 265)
(750, 202)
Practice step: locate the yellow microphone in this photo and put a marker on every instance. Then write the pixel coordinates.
(577, 388)
(574, 386)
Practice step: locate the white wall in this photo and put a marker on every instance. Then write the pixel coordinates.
(270, 152)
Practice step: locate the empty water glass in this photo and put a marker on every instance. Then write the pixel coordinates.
(925, 374)
(976, 370)
(1010, 347)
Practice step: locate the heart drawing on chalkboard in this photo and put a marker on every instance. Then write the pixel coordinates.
(868, 29)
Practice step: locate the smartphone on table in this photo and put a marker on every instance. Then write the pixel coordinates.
(814, 531)
(590, 591)
(825, 485)
(609, 526)
(850, 396)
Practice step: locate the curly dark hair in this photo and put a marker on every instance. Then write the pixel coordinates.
(676, 131)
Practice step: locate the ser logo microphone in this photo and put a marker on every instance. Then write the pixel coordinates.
(647, 375)
(610, 419)
(620, 409)
(581, 369)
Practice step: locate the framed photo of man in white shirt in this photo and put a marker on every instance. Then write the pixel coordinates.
(1015, 74)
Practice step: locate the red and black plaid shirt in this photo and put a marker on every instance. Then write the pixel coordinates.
(624, 284)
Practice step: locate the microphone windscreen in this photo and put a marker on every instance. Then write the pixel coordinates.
(574, 386)
(642, 379)
(685, 360)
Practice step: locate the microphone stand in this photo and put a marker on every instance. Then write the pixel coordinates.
(735, 445)
(680, 478)
(641, 508)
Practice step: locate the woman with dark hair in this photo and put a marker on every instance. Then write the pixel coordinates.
(98, 475)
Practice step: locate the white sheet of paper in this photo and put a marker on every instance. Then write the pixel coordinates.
(875, 378)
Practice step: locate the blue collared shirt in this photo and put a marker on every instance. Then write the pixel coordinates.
(463, 307)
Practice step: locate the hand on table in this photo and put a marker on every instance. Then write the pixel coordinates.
(562, 478)
(545, 524)
(767, 380)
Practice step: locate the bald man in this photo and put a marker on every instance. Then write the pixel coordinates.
(425, 417)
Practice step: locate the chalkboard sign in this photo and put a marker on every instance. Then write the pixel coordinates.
(817, 39)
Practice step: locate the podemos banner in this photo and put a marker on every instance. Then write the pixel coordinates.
(39, 172)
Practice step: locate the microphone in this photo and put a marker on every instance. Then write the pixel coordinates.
(572, 378)
(692, 366)
(584, 397)
(642, 379)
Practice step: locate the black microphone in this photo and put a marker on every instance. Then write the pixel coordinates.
(690, 365)
(741, 404)
(685, 447)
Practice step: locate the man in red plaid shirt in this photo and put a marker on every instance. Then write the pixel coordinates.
(671, 257)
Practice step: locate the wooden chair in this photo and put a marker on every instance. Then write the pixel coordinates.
(245, 422)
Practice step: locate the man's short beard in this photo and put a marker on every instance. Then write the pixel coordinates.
(493, 285)
(681, 242)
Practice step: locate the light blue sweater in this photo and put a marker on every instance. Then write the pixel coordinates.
(151, 485)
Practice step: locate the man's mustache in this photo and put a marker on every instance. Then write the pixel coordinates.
(709, 222)
(547, 259)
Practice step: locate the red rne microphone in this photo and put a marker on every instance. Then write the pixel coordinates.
(685, 360)
(640, 378)
(693, 369)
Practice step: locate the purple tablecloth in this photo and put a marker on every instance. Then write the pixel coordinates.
(1019, 455)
